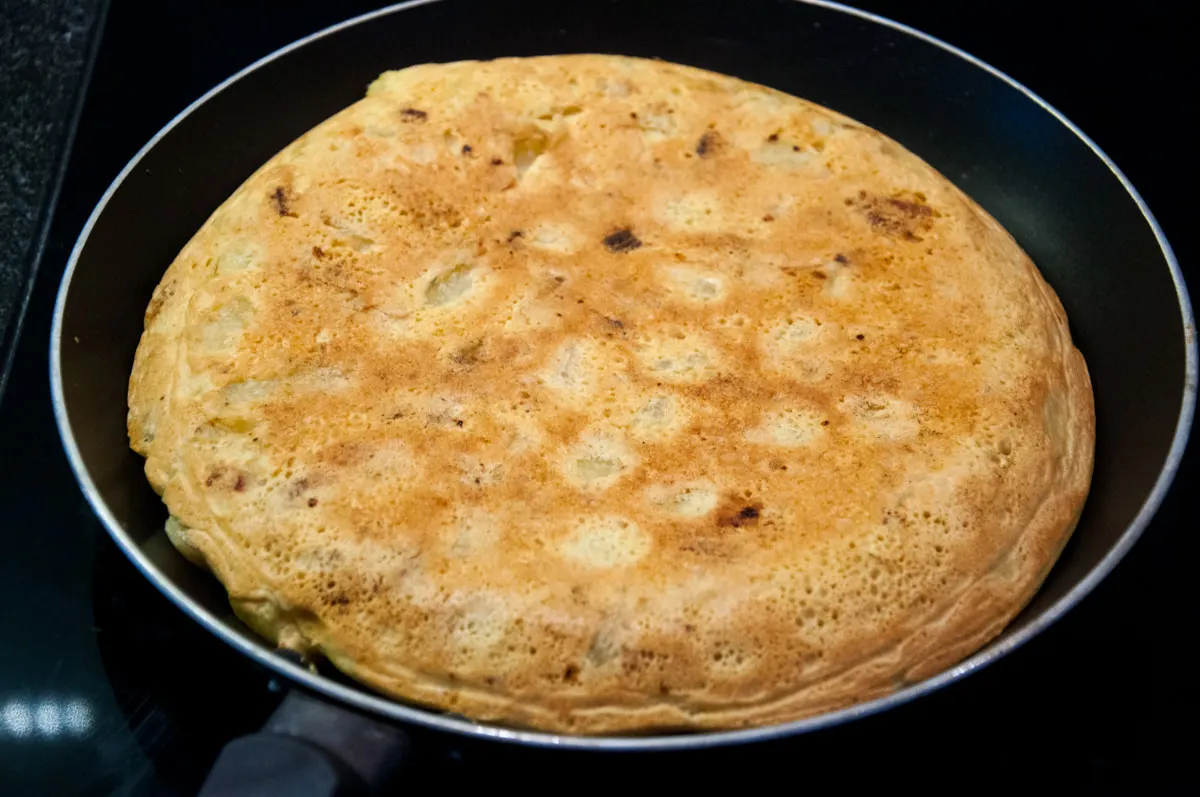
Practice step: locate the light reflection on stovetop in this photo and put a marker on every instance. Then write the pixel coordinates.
(183, 692)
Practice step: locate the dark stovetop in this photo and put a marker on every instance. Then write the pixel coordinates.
(45, 48)
(106, 688)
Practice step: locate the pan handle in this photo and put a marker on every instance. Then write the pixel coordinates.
(310, 748)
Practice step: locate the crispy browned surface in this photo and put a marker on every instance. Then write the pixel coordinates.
(598, 394)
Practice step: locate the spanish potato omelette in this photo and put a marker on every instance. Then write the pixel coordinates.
(597, 395)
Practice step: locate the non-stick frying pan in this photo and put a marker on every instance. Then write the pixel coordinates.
(1039, 175)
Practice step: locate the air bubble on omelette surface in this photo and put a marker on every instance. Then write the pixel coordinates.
(379, 123)
(613, 86)
(480, 472)
(937, 352)
(789, 428)
(248, 393)
(657, 123)
(528, 147)
(480, 624)
(557, 237)
(238, 255)
(391, 323)
(531, 311)
(781, 154)
(679, 358)
(883, 417)
(694, 285)
(686, 500)
(387, 460)
(222, 322)
(658, 418)
(473, 532)
(522, 432)
(447, 411)
(352, 237)
(573, 371)
(822, 127)
(422, 154)
(839, 280)
(694, 212)
(605, 541)
(450, 285)
(763, 272)
(790, 332)
(238, 406)
(798, 347)
(597, 462)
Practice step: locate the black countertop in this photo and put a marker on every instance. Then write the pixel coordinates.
(106, 688)
(45, 49)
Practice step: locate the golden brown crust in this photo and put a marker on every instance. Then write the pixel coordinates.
(599, 395)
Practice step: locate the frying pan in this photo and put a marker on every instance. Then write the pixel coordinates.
(1040, 176)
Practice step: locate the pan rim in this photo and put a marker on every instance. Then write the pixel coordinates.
(360, 698)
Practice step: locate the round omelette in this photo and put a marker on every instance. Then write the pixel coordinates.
(597, 394)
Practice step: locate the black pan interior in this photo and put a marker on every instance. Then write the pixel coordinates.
(1039, 179)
